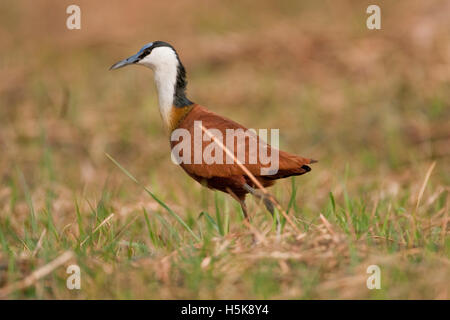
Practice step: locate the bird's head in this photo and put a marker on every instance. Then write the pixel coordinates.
(169, 72)
(154, 55)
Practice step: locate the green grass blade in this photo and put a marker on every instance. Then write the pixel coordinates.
(292, 203)
(210, 220)
(218, 215)
(151, 233)
(160, 202)
(29, 201)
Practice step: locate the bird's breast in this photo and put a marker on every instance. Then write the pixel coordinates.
(177, 115)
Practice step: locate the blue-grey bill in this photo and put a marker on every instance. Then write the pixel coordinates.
(127, 61)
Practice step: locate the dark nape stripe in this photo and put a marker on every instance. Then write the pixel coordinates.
(179, 97)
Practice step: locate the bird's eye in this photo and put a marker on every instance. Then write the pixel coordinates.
(145, 52)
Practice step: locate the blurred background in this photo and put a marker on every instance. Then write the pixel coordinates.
(371, 105)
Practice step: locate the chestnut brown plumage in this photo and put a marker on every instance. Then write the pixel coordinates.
(178, 112)
(230, 178)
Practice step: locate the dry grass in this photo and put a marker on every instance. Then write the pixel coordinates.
(372, 106)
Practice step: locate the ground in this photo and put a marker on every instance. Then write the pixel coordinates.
(371, 105)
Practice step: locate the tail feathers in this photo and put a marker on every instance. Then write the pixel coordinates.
(288, 173)
(302, 168)
(306, 168)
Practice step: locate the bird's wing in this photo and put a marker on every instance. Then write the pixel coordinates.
(245, 146)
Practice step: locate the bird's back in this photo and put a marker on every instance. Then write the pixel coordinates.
(288, 164)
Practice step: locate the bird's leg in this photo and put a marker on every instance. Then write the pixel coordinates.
(268, 202)
(244, 209)
(241, 201)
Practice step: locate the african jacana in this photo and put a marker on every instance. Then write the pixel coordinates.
(178, 112)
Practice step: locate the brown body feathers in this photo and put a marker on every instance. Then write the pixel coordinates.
(230, 178)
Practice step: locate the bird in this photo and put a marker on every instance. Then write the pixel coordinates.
(180, 113)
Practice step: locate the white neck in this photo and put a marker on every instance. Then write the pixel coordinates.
(164, 63)
(165, 79)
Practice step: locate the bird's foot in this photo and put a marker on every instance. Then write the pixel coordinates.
(265, 197)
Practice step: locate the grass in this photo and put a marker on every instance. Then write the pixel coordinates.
(86, 176)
